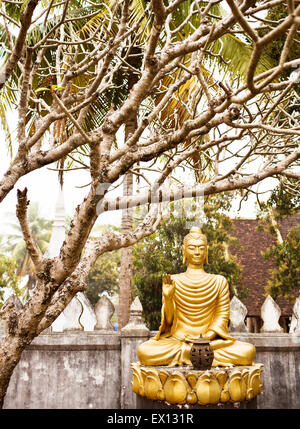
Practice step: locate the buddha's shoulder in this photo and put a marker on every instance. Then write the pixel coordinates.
(210, 277)
(220, 277)
(178, 277)
(217, 278)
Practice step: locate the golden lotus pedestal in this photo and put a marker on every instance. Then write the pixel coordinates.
(230, 387)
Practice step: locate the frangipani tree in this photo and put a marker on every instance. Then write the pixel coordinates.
(238, 116)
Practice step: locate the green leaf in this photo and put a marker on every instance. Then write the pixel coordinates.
(42, 89)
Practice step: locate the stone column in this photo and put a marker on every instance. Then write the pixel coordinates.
(104, 311)
(132, 335)
(238, 313)
(270, 314)
(295, 322)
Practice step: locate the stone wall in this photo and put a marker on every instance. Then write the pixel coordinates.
(280, 354)
(68, 370)
(92, 370)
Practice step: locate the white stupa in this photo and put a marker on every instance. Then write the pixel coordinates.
(79, 314)
(58, 228)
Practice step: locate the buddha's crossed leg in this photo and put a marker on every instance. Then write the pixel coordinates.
(172, 351)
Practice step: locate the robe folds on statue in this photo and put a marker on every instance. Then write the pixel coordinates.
(199, 305)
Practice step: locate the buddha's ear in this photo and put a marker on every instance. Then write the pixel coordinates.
(183, 255)
(206, 255)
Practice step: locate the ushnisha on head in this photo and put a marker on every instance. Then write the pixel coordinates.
(195, 233)
(193, 244)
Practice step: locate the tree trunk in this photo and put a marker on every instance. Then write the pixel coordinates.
(126, 260)
(275, 226)
(126, 225)
(126, 252)
(10, 353)
(21, 326)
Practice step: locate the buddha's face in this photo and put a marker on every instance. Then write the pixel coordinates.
(195, 251)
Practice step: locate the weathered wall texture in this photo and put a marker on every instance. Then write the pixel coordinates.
(91, 370)
(68, 370)
(280, 354)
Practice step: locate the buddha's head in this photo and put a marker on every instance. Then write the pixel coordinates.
(195, 249)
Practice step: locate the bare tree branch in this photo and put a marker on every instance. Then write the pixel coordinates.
(18, 50)
(21, 212)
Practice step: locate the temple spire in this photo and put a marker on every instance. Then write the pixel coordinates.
(58, 227)
(79, 313)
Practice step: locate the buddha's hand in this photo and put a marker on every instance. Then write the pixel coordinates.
(209, 335)
(168, 287)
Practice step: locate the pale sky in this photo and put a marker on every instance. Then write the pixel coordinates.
(42, 187)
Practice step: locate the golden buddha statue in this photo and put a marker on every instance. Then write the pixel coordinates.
(194, 303)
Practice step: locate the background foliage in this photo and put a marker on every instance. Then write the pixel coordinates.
(8, 277)
(285, 277)
(104, 277)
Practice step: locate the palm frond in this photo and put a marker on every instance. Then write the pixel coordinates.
(232, 56)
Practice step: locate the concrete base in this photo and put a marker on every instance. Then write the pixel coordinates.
(148, 404)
